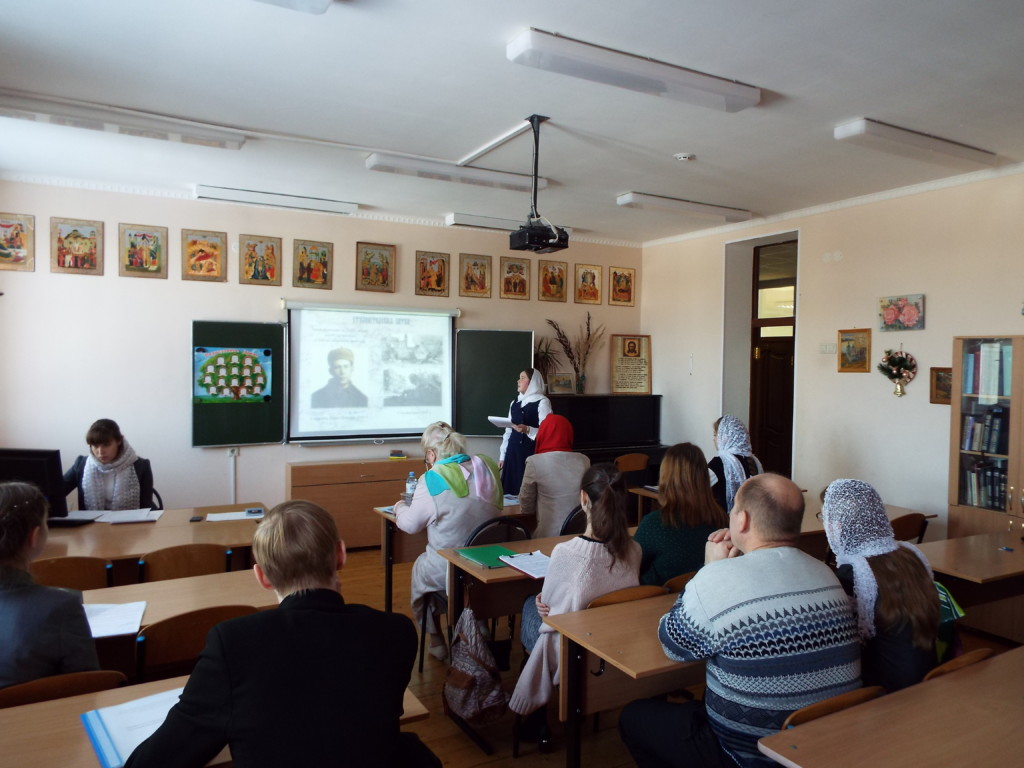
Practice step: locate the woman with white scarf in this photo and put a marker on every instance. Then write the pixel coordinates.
(735, 461)
(526, 413)
(112, 476)
(897, 602)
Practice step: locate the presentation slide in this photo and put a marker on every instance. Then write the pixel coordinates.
(365, 373)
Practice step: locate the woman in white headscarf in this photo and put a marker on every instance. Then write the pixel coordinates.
(735, 461)
(891, 581)
(526, 413)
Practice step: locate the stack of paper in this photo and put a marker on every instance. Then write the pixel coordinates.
(533, 564)
(106, 620)
(116, 731)
(130, 516)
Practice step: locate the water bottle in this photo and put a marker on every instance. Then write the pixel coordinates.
(410, 487)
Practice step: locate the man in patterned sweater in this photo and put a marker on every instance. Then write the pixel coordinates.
(775, 626)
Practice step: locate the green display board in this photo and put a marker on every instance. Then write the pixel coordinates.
(487, 365)
(238, 383)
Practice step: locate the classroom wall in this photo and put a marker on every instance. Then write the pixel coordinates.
(77, 348)
(960, 245)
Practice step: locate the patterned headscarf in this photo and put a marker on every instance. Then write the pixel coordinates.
(858, 528)
(733, 441)
(555, 434)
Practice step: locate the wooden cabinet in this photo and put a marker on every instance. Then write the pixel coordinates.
(349, 490)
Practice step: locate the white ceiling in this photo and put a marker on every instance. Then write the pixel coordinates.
(430, 78)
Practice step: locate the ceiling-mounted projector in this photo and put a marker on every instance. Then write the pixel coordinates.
(537, 234)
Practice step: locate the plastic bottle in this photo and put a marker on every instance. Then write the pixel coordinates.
(410, 487)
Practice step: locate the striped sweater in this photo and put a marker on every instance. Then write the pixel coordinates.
(778, 633)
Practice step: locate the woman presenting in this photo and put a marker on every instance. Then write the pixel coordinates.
(112, 476)
(526, 413)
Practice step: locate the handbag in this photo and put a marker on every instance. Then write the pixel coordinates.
(472, 685)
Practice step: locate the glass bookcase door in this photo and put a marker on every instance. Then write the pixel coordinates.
(986, 476)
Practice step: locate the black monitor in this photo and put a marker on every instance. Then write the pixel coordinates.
(42, 468)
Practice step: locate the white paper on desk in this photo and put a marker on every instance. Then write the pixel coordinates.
(213, 517)
(510, 501)
(533, 564)
(130, 516)
(83, 514)
(108, 619)
(116, 731)
(651, 488)
(501, 422)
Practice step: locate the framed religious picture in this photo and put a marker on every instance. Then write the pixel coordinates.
(631, 364)
(76, 246)
(17, 242)
(474, 275)
(587, 284)
(259, 260)
(375, 267)
(621, 285)
(514, 278)
(141, 251)
(854, 352)
(312, 264)
(551, 282)
(432, 270)
(941, 391)
(204, 255)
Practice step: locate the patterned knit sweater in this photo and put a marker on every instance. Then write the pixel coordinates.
(779, 633)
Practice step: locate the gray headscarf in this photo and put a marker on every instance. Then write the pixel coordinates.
(733, 440)
(858, 528)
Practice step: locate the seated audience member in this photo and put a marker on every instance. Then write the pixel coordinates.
(601, 560)
(455, 495)
(673, 537)
(112, 476)
(43, 630)
(315, 682)
(775, 626)
(896, 600)
(735, 461)
(551, 482)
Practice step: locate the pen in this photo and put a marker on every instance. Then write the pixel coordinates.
(1006, 549)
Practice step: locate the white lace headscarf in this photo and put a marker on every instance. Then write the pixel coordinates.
(858, 528)
(126, 492)
(733, 441)
(535, 391)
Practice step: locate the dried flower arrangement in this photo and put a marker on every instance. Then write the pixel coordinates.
(578, 350)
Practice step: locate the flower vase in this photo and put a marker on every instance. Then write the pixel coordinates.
(581, 384)
(901, 388)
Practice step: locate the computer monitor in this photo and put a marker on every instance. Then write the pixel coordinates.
(42, 468)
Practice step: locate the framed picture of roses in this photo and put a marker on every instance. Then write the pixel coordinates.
(901, 313)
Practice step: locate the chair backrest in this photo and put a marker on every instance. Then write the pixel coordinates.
(815, 544)
(158, 502)
(575, 522)
(171, 647)
(60, 686)
(910, 527)
(632, 462)
(833, 704)
(678, 583)
(72, 572)
(627, 594)
(497, 530)
(184, 560)
(961, 661)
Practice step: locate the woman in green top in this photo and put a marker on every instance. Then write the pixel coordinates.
(673, 537)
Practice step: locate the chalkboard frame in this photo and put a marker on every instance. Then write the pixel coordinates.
(487, 364)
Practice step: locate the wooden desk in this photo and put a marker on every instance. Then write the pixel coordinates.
(968, 717)
(611, 656)
(396, 547)
(976, 569)
(50, 733)
(642, 493)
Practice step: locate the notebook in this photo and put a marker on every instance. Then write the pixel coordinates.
(116, 731)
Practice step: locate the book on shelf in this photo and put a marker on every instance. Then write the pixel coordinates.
(968, 374)
(1006, 386)
(988, 375)
(533, 564)
(116, 731)
(487, 556)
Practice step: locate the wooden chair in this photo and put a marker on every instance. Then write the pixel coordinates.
(60, 686)
(171, 647)
(961, 661)
(73, 572)
(631, 465)
(184, 560)
(575, 522)
(910, 527)
(815, 544)
(627, 594)
(678, 583)
(833, 704)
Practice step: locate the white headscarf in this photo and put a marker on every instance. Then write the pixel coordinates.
(733, 441)
(126, 493)
(535, 391)
(858, 528)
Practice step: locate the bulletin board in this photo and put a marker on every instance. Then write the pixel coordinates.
(487, 365)
(238, 375)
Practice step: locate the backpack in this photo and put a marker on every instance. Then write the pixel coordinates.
(472, 685)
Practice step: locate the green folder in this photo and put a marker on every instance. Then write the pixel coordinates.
(486, 556)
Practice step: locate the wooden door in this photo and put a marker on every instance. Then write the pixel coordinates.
(771, 403)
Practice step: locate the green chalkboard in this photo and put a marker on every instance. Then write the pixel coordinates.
(487, 364)
(234, 405)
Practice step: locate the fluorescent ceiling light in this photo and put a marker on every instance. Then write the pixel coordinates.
(919, 146)
(433, 169)
(306, 6)
(252, 197)
(567, 56)
(657, 202)
(480, 222)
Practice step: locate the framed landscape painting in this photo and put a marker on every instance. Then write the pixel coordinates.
(204, 255)
(375, 267)
(515, 278)
(474, 275)
(312, 264)
(141, 251)
(17, 242)
(432, 270)
(551, 282)
(854, 350)
(259, 260)
(76, 246)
